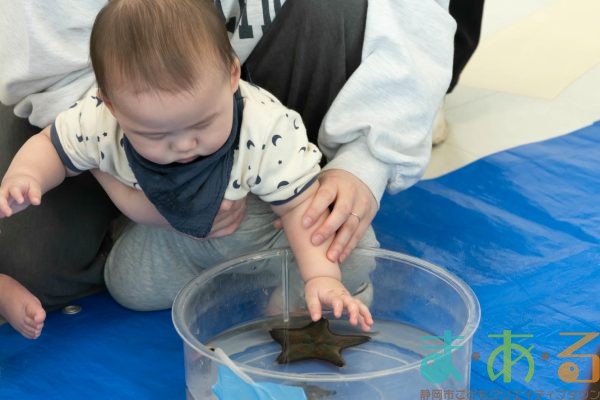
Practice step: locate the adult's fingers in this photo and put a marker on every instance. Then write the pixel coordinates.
(334, 188)
(325, 195)
(228, 219)
(352, 213)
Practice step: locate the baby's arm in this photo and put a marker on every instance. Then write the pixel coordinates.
(322, 278)
(35, 169)
(133, 203)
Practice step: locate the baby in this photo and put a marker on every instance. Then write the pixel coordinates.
(174, 123)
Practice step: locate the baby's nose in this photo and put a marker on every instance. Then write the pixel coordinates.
(186, 144)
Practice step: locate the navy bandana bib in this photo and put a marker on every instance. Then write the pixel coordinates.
(189, 195)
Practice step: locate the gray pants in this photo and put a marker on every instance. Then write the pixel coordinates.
(148, 266)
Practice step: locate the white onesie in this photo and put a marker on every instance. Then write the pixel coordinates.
(274, 160)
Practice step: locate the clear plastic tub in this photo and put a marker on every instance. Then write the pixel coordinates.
(425, 319)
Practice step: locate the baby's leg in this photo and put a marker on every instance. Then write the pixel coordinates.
(148, 266)
(21, 308)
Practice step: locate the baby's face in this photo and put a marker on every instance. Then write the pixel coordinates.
(166, 127)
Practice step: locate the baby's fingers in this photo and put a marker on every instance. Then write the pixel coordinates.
(17, 194)
(314, 307)
(364, 317)
(35, 195)
(358, 313)
(5, 210)
(337, 305)
(351, 306)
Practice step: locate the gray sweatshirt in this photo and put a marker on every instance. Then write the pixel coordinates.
(378, 128)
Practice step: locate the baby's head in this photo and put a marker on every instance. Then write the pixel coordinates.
(159, 45)
(167, 71)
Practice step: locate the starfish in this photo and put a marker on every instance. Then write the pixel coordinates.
(314, 341)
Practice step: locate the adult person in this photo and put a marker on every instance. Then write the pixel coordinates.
(369, 90)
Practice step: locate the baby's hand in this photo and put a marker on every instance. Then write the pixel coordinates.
(17, 193)
(331, 292)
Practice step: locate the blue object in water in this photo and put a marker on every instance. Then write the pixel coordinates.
(230, 386)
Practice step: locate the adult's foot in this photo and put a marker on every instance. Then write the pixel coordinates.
(440, 127)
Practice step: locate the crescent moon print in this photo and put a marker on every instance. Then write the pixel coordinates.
(295, 125)
(249, 143)
(236, 184)
(303, 148)
(98, 100)
(274, 139)
(282, 183)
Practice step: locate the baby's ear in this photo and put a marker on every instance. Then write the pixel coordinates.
(102, 96)
(235, 75)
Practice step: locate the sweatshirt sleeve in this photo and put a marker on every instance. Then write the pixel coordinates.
(383, 115)
(44, 55)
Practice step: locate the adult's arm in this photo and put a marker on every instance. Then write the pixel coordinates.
(44, 55)
(383, 115)
(377, 133)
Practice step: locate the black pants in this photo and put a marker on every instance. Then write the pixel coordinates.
(468, 14)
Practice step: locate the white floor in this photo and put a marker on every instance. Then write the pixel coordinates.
(483, 122)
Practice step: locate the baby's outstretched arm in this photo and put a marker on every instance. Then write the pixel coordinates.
(35, 169)
(322, 278)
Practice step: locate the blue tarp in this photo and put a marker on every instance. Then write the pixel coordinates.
(522, 227)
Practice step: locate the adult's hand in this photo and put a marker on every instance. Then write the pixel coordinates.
(228, 219)
(354, 207)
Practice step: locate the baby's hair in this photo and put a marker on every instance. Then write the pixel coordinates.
(163, 45)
